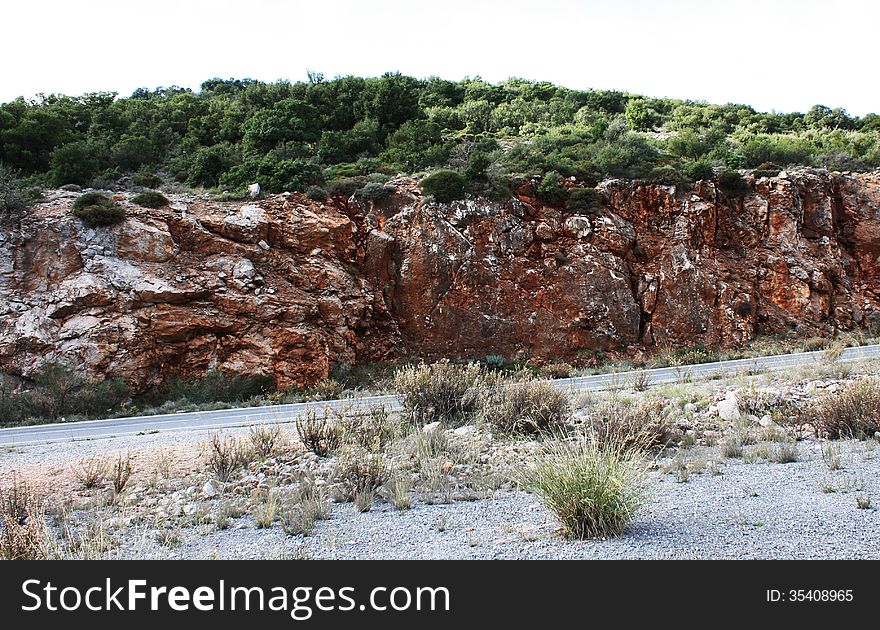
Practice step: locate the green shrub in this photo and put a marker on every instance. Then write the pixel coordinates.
(316, 193)
(360, 472)
(73, 163)
(697, 170)
(15, 195)
(444, 185)
(346, 187)
(767, 169)
(584, 200)
(218, 386)
(151, 199)
(732, 183)
(226, 456)
(549, 190)
(666, 176)
(97, 210)
(528, 407)
(146, 180)
(374, 191)
(592, 491)
(441, 392)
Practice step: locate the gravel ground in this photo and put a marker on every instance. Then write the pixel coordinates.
(757, 510)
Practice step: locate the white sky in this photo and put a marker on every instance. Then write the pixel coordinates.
(785, 55)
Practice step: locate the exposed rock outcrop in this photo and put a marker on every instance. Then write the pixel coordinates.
(288, 286)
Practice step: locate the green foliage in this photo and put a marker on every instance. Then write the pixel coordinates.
(218, 386)
(287, 135)
(698, 170)
(640, 115)
(146, 179)
(150, 199)
(584, 200)
(444, 185)
(374, 191)
(732, 183)
(549, 190)
(273, 174)
(593, 491)
(666, 175)
(528, 407)
(441, 392)
(58, 391)
(73, 163)
(205, 166)
(97, 210)
(15, 195)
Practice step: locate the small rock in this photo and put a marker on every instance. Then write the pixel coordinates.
(431, 428)
(728, 409)
(209, 490)
(263, 245)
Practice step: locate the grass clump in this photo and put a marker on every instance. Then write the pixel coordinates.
(122, 471)
(372, 429)
(527, 408)
(831, 456)
(592, 490)
(853, 411)
(91, 473)
(97, 210)
(441, 392)
(150, 199)
(618, 424)
(360, 473)
(23, 531)
(305, 506)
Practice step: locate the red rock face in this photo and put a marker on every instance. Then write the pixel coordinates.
(289, 287)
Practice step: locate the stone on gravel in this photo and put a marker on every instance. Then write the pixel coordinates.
(209, 490)
(728, 408)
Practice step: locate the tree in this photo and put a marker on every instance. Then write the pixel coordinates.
(73, 163)
(290, 120)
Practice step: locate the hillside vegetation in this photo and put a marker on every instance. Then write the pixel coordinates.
(339, 136)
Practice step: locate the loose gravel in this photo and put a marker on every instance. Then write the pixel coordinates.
(750, 510)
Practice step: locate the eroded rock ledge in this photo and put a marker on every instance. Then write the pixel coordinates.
(288, 286)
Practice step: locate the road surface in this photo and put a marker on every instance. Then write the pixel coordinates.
(246, 416)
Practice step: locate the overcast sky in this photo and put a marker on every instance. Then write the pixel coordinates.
(785, 55)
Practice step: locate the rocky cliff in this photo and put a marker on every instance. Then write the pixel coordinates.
(288, 286)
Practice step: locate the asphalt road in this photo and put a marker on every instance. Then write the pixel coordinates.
(246, 416)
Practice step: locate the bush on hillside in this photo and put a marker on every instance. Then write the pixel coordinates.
(549, 191)
(445, 185)
(151, 199)
(97, 210)
(732, 183)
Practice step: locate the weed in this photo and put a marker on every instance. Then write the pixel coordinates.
(593, 490)
(831, 456)
(319, 435)
(226, 456)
